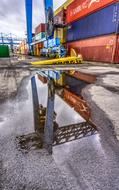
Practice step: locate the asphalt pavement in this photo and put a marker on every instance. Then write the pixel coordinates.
(91, 163)
(86, 164)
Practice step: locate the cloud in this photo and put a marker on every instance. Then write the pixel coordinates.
(58, 3)
(13, 18)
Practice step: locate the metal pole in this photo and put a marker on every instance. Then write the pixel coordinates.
(28, 5)
(35, 102)
(48, 129)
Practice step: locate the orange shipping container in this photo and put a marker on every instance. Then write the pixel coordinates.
(100, 49)
(78, 9)
(77, 103)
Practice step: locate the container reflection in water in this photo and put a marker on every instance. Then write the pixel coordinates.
(65, 114)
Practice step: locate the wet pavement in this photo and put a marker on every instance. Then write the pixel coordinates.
(88, 163)
(34, 170)
(103, 98)
(91, 163)
(10, 80)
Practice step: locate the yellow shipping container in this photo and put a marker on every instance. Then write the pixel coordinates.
(35, 50)
(60, 33)
(61, 81)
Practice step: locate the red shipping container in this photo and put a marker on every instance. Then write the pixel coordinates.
(78, 9)
(99, 49)
(40, 28)
(60, 18)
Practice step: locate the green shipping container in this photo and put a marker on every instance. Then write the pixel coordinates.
(4, 51)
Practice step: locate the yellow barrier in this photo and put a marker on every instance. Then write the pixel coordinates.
(65, 60)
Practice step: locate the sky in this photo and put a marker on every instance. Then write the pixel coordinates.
(13, 18)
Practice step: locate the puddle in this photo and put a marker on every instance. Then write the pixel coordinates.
(65, 115)
(32, 141)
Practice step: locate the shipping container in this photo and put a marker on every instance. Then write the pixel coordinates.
(77, 103)
(75, 85)
(4, 51)
(38, 47)
(40, 36)
(115, 57)
(53, 74)
(88, 78)
(61, 81)
(42, 78)
(60, 33)
(78, 9)
(100, 23)
(100, 49)
(60, 18)
(51, 43)
(40, 28)
(55, 42)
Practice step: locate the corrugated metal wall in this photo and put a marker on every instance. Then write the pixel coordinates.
(100, 23)
(78, 9)
(102, 49)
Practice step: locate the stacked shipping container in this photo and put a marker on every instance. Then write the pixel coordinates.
(60, 21)
(39, 37)
(60, 18)
(95, 35)
(40, 28)
(60, 33)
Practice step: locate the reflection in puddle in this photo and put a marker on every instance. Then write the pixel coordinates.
(66, 115)
(29, 142)
(67, 123)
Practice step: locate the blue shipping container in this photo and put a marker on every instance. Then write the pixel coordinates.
(53, 74)
(105, 21)
(56, 42)
(52, 43)
(45, 44)
(75, 85)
